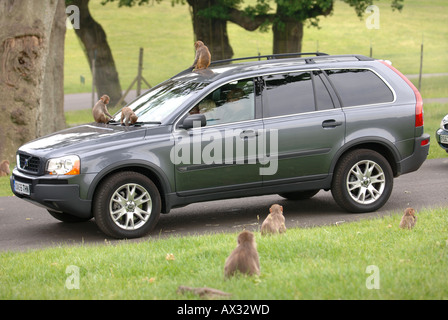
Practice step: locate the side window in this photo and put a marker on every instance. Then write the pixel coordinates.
(232, 102)
(288, 94)
(359, 87)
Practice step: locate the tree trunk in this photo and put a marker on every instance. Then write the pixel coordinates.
(288, 33)
(32, 37)
(95, 44)
(211, 31)
(288, 25)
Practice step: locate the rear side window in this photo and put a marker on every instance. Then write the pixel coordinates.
(359, 87)
(293, 93)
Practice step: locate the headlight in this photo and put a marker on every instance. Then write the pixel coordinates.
(444, 122)
(69, 165)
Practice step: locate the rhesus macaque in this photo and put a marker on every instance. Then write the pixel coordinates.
(4, 168)
(244, 258)
(203, 57)
(127, 115)
(100, 112)
(409, 219)
(274, 222)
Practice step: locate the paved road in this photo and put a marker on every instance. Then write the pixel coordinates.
(80, 101)
(25, 226)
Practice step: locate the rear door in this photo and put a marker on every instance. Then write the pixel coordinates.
(299, 108)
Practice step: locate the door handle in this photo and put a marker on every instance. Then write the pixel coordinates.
(331, 123)
(248, 134)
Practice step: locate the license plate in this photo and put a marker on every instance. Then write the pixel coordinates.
(21, 188)
(443, 139)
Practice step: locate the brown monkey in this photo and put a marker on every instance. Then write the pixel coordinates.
(203, 56)
(409, 219)
(4, 168)
(100, 112)
(274, 222)
(127, 115)
(244, 258)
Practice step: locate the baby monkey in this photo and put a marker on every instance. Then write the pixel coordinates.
(274, 222)
(244, 258)
(127, 115)
(100, 112)
(203, 56)
(409, 219)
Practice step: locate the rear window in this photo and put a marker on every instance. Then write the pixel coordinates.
(359, 87)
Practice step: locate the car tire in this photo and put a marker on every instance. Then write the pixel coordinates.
(66, 217)
(299, 195)
(127, 205)
(362, 181)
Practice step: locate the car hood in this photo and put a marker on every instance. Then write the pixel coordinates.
(87, 135)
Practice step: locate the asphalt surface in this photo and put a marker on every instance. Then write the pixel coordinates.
(24, 226)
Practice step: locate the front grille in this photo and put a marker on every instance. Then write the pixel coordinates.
(29, 163)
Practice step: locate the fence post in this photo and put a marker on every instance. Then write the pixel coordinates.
(139, 78)
(421, 66)
(139, 74)
(93, 78)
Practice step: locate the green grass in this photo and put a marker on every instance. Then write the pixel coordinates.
(433, 87)
(317, 263)
(166, 34)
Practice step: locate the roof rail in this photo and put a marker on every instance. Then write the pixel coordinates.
(272, 56)
(308, 60)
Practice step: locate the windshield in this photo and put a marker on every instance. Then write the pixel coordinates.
(162, 100)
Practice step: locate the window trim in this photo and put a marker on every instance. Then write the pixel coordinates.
(304, 113)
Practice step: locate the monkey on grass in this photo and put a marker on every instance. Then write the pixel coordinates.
(127, 115)
(409, 219)
(274, 222)
(202, 58)
(4, 168)
(244, 258)
(100, 112)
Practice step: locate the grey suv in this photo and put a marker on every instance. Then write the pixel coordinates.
(289, 126)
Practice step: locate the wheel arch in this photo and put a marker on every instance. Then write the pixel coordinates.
(385, 148)
(148, 170)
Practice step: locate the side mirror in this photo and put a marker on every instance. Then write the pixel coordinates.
(194, 121)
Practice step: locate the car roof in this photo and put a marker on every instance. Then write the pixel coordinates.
(270, 63)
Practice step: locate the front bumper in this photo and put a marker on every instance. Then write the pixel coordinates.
(53, 193)
(439, 134)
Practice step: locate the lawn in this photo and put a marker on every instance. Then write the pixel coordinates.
(166, 35)
(369, 259)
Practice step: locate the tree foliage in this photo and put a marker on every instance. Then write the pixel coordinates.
(287, 19)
